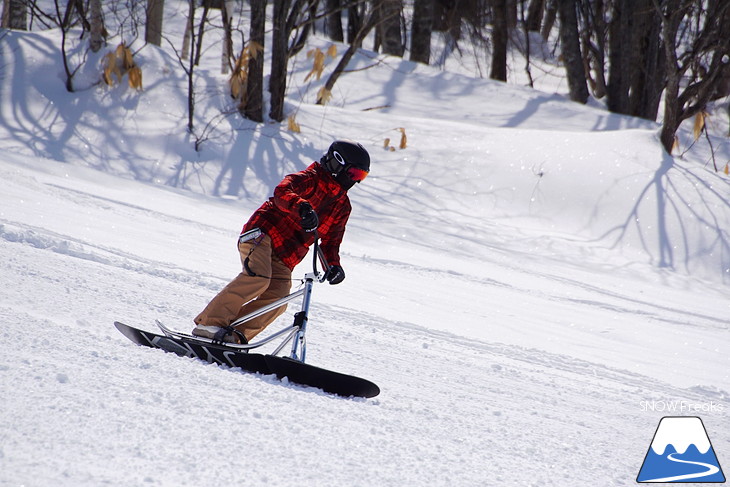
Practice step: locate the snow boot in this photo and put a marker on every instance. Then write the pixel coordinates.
(219, 334)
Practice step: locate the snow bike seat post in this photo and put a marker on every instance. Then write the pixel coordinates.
(299, 345)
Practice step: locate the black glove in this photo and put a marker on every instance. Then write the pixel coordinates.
(335, 275)
(309, 221)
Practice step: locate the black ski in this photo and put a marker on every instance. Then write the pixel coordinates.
(297, 372)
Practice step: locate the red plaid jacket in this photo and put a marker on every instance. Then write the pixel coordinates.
(279, 216)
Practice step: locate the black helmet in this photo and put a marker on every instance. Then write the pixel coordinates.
(347, 161)
(346, 153)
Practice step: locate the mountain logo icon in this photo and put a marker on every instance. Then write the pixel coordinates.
(681, 452)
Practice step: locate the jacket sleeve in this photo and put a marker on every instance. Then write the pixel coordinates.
(288, 193)
(331, 242)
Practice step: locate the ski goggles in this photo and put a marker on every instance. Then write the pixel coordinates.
(356, 174)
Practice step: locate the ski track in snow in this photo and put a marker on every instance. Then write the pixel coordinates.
(453, 410)
(563, 290)
(604, 298)
(66, 245)
(428, 423)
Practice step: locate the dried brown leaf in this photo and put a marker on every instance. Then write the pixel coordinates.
(238, 87)
(109, 65)
(323, 96)
(127, 60)
(318, 65)
(241, 61)
(135, 78)
(403, 138)
(699, 124)
(254, 49)
(292, 124)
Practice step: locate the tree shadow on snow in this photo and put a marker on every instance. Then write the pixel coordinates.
(688, 227)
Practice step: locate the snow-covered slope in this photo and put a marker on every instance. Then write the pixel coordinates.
(522, 280)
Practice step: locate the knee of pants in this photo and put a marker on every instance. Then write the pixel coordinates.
(278, 288)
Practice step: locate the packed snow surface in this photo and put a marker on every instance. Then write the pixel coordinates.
(532, 283)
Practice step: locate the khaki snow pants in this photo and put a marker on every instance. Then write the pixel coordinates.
(247, 293)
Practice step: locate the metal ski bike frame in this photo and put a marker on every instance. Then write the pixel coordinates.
(295, 333)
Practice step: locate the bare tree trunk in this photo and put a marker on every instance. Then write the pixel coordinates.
(255, 86)
(201, 31)
(76, 6)
(620, 53)
(572, 57)
(528, 47)
(648, 73)
(333, 22)
(511, 14)
(189, 53)
(15, 15)
(500, 37)
(279, 55)
(534, 15)
(227, 48)
(551, 13)
(304, 26)
(705, 53)
(671, 107)
(595, 52)
(354, 22)
(723, 87)
(389, 26)
(66, 67)
(153, 27)
(188, 30)
(421, 31)
(96, 22)
(64, 23)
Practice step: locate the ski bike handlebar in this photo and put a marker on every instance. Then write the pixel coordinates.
(318, 255)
